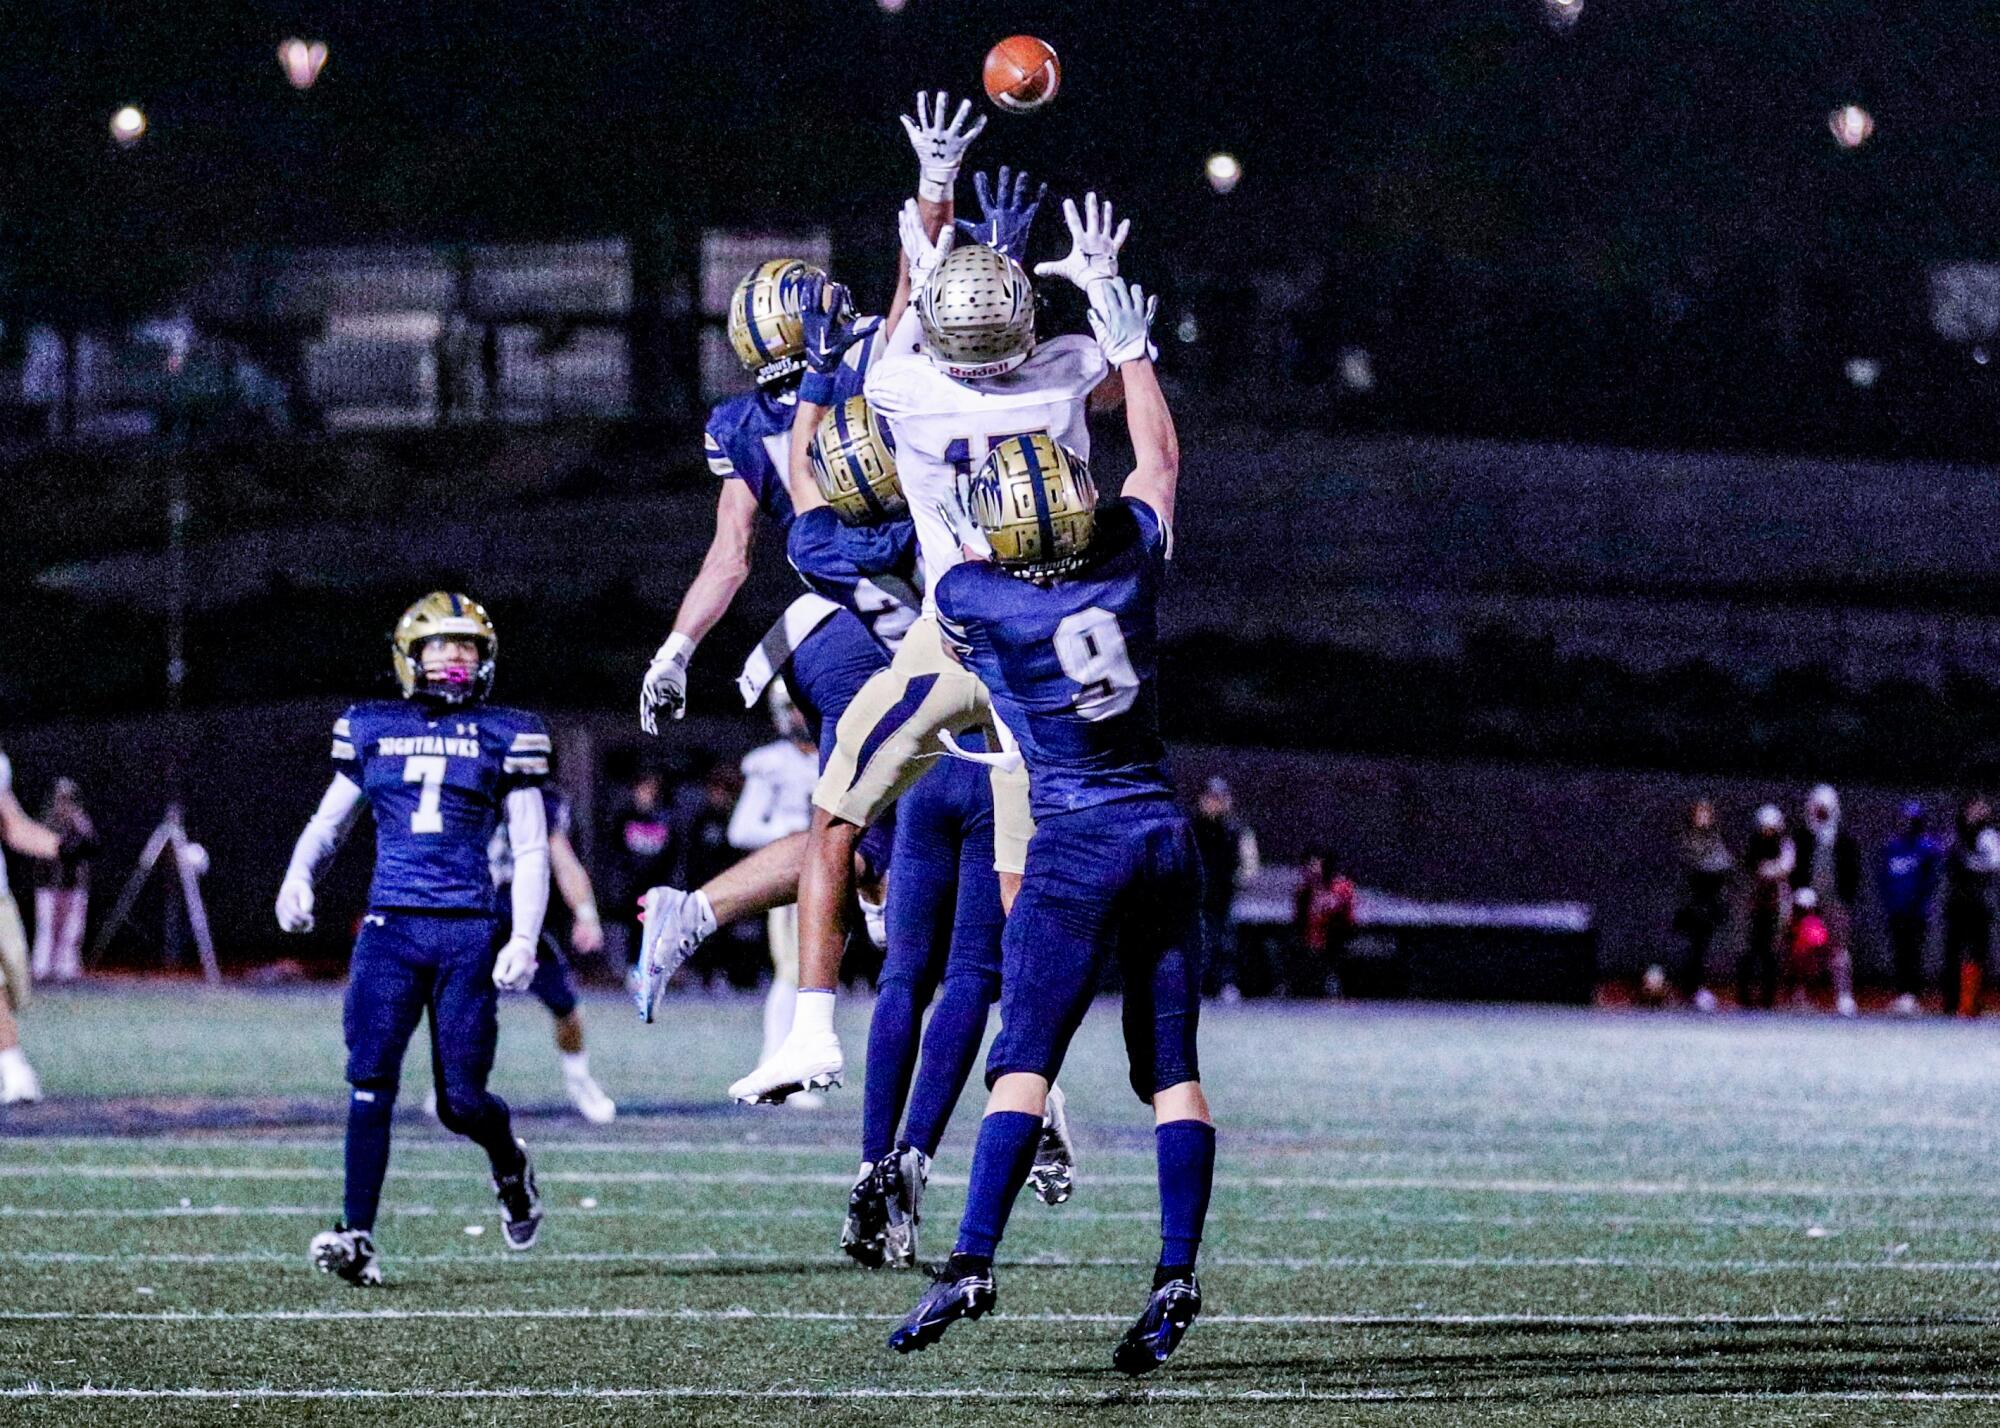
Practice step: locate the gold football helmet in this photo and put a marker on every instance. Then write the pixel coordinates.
(854, 462)
(978, 313)
(1037, 505)
(443, 612)
(764, 325)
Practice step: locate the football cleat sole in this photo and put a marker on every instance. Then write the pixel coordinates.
(1168, 1316)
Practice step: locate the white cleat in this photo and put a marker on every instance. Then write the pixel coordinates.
(1845, 1007)
(805, 1061)
(676, 923)
(875, 918)
(1704, 1000)
(589, 1099)
(1054, 1171)
(805, 1101)
(1905, 1005)
(19, 1085)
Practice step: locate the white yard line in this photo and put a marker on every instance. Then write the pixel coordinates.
(1642, 1188)
(810, 1259)
(1364, 1321)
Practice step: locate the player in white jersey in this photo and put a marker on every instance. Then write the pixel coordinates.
(776, 802)
(962, 371)
(24, 835)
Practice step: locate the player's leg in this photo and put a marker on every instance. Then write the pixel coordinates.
(886, 739)
(1060, 929)
(75, 905)
(1162, 1013)
(18, 1081)
(554, 987)
(465, 1033)
(43, 963)
(388, 985)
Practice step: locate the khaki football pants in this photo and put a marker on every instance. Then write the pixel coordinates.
(888, 739)
(13, 952)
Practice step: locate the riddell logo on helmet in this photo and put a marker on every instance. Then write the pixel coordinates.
(969, 372)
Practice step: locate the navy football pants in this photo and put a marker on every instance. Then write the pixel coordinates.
(945, 922)
(1124, 880)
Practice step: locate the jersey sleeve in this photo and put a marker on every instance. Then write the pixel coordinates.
(558, 810)
(6, 774)
(717, 453)
(1156, 537)
(1082, 368)
(957, 611)
(526, 762)
(346, 752)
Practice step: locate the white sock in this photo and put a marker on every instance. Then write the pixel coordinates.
(707, 924)
(779, 1004)
(14, 1061)
(815, 1011)
(576, 1063)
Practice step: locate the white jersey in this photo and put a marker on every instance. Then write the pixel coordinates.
(776, 801)
(944, 427)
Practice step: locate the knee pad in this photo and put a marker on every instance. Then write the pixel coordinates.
(373, 1098)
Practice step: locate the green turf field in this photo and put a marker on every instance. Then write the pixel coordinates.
(1422, 1217)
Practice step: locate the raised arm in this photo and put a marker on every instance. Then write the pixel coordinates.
(940, 148)
(1121, 315)
(723, 571)
(323, 833)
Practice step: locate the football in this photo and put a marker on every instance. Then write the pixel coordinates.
(1022, 73)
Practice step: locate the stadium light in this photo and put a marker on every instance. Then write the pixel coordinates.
(1562, 14)
(128, 126)
(1224, 173)
(1862, 371)
(892, 7)
(1851, 125)
(302, 61)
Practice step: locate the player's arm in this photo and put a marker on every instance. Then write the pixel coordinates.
(940, 148)
(323, 833)
(528, 836)
(723, 571)
(22, 833)
(572, 880)
(1121, 316)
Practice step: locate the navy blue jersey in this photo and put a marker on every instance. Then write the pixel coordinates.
(438, 780)
(872, 570)
(1071, 666)
(749, 439)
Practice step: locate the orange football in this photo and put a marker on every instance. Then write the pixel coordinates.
(1022, 73)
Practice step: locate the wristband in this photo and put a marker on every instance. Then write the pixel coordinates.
(817, 388)
(678, 649)
(935, 186)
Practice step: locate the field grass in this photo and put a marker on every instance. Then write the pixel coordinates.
(1424, 1217)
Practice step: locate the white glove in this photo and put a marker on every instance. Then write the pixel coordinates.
(925, 254)
(1094, 244)
(295, 905)
(514, 968)
(940, 146)
(666, 684)
(1122, 317)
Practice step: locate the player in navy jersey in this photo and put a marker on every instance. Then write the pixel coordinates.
(441, 770)
(1062, 627)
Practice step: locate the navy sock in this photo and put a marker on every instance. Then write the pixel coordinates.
(1186, 1151)
(369, 1111)
(1000, 1165)
(892, 1056)
(951, 1046)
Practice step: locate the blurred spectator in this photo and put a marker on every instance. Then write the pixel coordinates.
(1323, 923)
(1771, 857)
(1969, 866)
(1706, 867)
(638, 846)
(1228, 856)
(704, 832)
(62, 887)
(1807, 963)
(1830, 864)
(1907, 881)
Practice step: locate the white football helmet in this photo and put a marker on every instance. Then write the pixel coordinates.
(978, 313)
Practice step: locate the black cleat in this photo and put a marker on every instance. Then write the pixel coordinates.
(1160, 1329)
(904, 1177)
(944, 1304)
(865, 1236)
(349, 1254)
(520, 1203)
